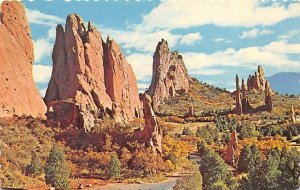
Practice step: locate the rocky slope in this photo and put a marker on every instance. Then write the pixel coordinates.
(18, 92)
(90, 79)
(169, 77)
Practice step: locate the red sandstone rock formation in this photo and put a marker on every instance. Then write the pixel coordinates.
(18, 92)
(238, 101)
(170, 77)
(120, 81)
(257, 81)
(293, 115)
(232, 145)
(268, 97)
(152, 132)
(89, 77)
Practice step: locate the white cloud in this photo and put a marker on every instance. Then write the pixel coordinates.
(183, 14)
(43, 91)
(141, 64)
(191, 38)
(282, 47)
(217, 40)
(254, 32)
(143, 87)
(290, 34)
(206, 72)
(41, 73)
(37, 17)
(140, 40)
(272, 55)
(42, 47)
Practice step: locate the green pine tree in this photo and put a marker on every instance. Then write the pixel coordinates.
(245, 159)
(114, 167)
(214, 170)
(35, 167)
(290, 169)
(56, 170)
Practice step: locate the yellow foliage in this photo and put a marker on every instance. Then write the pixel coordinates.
(178, 149)
(265, 144)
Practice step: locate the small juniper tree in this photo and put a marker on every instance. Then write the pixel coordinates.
(56, 170)
(114, 167)
(35, 167)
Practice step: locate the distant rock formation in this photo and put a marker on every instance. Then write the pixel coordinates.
(170, 77)
(268, 97)
(257, 81)
(238, 101)
(293, 115)
(254, 84)
(152, 132)
(231, 146)
(18, 92)
(90, 78)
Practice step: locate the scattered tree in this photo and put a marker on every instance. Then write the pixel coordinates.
(35, 167)
(57, 171)
(114, 167)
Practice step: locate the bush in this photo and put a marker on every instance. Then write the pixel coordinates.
(114, 167)
(289, 136)
(187, 131)
(57, 171)
(35, 167)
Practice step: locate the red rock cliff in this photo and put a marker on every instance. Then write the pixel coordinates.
(18, 92)
(170, 77)
(90, 78)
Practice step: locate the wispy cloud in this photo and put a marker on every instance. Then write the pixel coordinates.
(219, 40)
(42, 48)
(37, 17)
(191, 38)
(254, 33)
(42, 73)
(207, 72)
(290, 34)
(183, 14)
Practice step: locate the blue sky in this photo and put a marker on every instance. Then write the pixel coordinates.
(216, 38)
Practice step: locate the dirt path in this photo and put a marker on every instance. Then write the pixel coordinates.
(165, 185)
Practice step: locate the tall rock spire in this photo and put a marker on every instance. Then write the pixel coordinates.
(18, 92)
(268, 97)
(169, 76)
(90, 79)
(238, 103)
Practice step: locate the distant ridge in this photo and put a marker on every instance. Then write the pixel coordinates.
(286, 82)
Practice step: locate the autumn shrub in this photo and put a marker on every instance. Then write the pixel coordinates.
(146, 163)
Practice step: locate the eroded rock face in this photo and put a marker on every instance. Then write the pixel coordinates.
(120, 81)
(152, 131)
(257, 81)
(18, 92)
(85, 78)
(170, 77)
(238, 101)
(230, 151)
(268, 97)
(151, 134)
